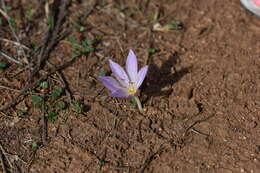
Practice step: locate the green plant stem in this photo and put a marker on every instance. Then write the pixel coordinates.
(139, 105)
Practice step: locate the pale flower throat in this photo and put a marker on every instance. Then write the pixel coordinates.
(131, 89)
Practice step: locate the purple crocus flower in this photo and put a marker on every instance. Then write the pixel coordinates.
(125, 83)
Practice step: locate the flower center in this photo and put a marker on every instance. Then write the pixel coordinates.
(131, 89)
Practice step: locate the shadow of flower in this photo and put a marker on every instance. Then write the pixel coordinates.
(159, 78)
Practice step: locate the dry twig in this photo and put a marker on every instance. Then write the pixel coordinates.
(3, 163)
(51, 39)
(10, 58)
(34, 84)
(11, 27)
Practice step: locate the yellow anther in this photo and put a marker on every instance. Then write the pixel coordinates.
(131, 89)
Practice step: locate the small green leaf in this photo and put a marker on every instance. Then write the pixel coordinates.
(101, 163)
(102, 3)
(102, 72)
(12, 23)
(29, 12)
(87, 50)
(52, 116)
(60, 105)
(34, 145)
(121, 9)
(29, 91)
(44, 84)
(37, 99)
(77, 107)
(56, 93)
(50, 21)
(41, 106)
(72, 39)
(8, 8)
(81, 28)
(175, 25)
(129, 14)
(75, 53)
(2, 65)
(151, 50)
(136, 8)
(1, 22)
(133, 101)
(86, 43)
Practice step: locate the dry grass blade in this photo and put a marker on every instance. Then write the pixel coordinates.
(34, 84)
(2, 163)
(10, 58)
(52, 36)
(11, 27)
(15, 43)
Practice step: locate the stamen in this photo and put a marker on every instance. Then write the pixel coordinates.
(131, 89)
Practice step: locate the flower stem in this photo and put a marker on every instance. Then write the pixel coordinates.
(139, 105)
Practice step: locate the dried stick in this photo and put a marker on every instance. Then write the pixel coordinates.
(62, 81)
(32, 85)
(15, 43)
(5, 87)
(3, 153)
(3, 163)
(10, 26)
(10, 58)
(52, 35)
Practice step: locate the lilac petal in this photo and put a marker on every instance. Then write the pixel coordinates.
(131, 66)
(118, 71)
(141, 75)
(110, 83)
(119, 93)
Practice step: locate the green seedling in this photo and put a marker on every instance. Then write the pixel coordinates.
(29, 12)
(34, 145)
(39, 103)
(176, 25)
(7, 8)
(60, 105)
(12, 23)
(102, 72)
(129, 14)
(52, 116)
(21, 112)
(102, 3)
(56, 93)
(136, 9)
(44, 84)
(121, 9)
(151, 50)
(133, 101)
(37, 99)
(79, 27)
(86, 46)
(77, 107)
(2, 65)
(72, 40)
(79, 48)
(50, 21)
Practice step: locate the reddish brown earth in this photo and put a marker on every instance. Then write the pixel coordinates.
(201, 95)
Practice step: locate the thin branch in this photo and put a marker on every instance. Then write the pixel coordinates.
(11, 27)
(3, 153)
(3, 163)
(8, 88)
(15, 100)
(4, 14)
(15, 43)
(62, 81)
(10, 58)
(52, 36)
